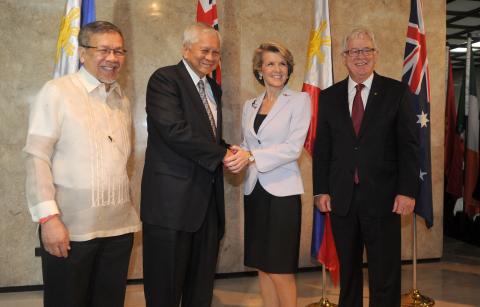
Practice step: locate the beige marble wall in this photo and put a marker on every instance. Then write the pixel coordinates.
(153, 35)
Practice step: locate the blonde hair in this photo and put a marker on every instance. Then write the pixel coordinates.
(257, 60)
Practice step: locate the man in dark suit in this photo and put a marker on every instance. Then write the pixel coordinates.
(182, 205)
(365, 171)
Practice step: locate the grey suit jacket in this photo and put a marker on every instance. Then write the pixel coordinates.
(278, 143)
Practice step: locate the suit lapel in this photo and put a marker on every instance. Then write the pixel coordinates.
(343, 106)
(373, 103)
(281, 102)
(197, 103)
(256, 104)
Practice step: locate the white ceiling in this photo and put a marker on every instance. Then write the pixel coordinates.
(463, 20)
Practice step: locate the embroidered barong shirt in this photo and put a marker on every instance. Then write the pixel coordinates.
(77, 148)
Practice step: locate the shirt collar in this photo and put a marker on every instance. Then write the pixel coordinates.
(193, 75)
(91, 83)
(367, 83)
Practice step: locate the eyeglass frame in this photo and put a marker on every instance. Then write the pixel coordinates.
(104, 51)
(356, 52)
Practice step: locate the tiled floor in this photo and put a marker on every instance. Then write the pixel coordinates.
(454, 281)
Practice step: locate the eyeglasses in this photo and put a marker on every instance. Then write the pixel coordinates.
(356, 52)
(104, 52)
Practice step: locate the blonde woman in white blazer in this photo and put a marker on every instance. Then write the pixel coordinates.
(274, 126)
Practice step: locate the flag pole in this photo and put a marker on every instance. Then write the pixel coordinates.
(467, 108)
(447, 65)
(319, 76)
(467, 75)
(414, 249)
(416, 38)
(324, 280)
(414, 298)
(323, 302)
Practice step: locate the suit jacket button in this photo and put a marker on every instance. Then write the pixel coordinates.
(355, 148)
(213, 180)
(259, 142)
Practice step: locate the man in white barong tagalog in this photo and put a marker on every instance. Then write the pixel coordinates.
(77, 186)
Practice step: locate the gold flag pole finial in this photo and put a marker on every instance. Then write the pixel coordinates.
(414, 298)
(323, 302)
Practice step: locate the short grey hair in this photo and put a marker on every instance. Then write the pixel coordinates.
(96, 27)
(356, 33)
(193, 31)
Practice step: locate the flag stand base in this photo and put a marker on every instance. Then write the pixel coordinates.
(324, 302)
(414, 298)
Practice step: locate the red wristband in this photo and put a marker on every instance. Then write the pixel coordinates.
(43, 220)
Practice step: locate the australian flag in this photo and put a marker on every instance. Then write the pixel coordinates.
(416, 75)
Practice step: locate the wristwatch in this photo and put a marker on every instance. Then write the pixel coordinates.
(251, 158)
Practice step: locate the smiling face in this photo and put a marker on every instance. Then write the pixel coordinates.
(105, 68)
(204, 54)
(274, 70)
(360, 66)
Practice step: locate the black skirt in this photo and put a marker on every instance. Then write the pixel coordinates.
(272, 231)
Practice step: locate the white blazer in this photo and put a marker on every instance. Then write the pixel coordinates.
(278, 143)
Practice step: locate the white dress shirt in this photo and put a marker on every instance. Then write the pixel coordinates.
(365, 91)
(208, 90)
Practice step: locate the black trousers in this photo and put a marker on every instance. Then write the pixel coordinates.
(179, 265)
(382, 238)
(94, 274)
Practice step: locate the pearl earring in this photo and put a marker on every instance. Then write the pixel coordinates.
(260, 76)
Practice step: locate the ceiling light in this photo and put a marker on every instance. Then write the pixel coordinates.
(459, 50)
